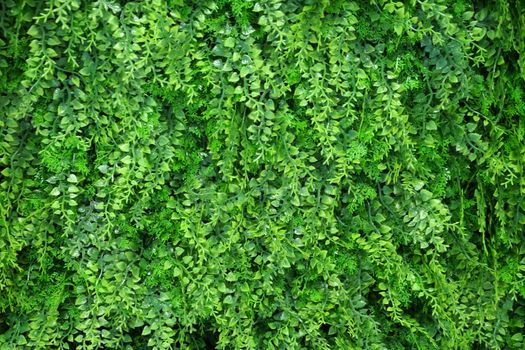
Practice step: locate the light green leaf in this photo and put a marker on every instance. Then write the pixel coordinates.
(229, 42)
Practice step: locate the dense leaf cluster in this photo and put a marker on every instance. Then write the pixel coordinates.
(280, 174)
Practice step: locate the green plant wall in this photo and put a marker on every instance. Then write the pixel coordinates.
(280, 174)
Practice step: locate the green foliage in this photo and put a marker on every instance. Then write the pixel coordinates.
(262, 174)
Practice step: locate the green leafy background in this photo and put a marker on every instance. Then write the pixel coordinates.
(281, 174)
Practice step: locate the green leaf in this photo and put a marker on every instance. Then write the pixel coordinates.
(431, 125)
(34, 31)
(425, 195)
(176, 272)
(126, 160)
(229, 42)
(146, 330)
(72, 178)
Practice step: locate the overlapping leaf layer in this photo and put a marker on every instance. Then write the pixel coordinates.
(281, 174)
